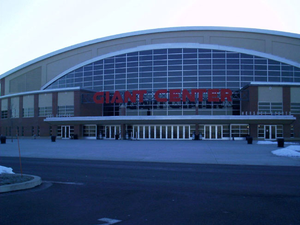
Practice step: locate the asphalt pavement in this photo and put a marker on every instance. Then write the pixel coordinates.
(92, 192)
(199, 152)
(151, 182)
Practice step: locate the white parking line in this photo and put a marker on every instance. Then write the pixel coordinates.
(109, 221)
(59, 182)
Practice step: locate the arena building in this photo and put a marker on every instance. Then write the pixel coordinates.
(184, 83)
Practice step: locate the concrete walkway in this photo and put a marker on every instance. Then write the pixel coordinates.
(202, 152)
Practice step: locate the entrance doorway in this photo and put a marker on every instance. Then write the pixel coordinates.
(65, 132)
(270, 132)
(213, 132)
(112, 131)
(175, 132)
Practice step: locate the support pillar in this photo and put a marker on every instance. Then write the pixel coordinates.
(253, 130)
(123, 131)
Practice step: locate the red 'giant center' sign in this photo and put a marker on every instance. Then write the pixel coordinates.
(175, 95)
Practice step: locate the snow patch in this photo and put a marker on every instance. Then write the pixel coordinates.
(290, 151)
(4, 169)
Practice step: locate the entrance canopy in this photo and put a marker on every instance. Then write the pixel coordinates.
(193, 119)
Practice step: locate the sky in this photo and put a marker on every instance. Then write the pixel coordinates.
(32, 28)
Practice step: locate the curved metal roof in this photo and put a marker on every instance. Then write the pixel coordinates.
(173, 45)
(144, 32)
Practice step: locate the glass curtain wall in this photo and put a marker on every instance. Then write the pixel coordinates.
(177, 68)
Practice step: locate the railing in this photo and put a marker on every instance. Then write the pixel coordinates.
(261, 113)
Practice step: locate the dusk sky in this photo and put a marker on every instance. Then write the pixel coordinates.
(32, 28)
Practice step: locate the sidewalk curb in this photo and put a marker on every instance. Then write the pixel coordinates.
(21, 186)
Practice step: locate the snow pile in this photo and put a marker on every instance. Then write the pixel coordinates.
(266, 142)
(4, 169)
(275, 142)
(290, 151)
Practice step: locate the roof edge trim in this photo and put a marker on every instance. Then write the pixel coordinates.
(170, 118)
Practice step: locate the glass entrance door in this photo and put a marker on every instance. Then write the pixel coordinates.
(270, 132)
(65, 132)
(178, 132)
(213, 132)
(112, 131)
